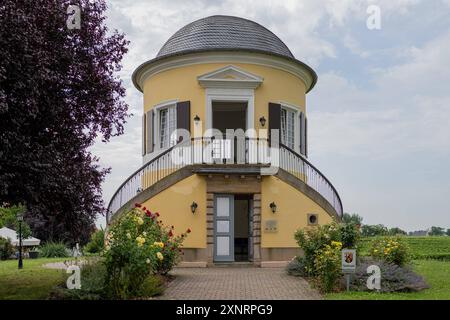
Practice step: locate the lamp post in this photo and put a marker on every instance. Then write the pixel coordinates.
(20, 219)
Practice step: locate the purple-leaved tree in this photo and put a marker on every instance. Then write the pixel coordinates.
(59, 90)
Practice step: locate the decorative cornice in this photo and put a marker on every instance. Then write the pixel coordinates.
(156, 66)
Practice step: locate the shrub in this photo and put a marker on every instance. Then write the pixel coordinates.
(297, 267)
(312, 240)
(153, 286)
(390, 249)
(327, 265)
(437, 248)
(138, 245)
(92, 283)
(93, 286)
(6, 249)
(393, 277)
(53, 250)
(349, 235)
(97, 243)
(322, 246)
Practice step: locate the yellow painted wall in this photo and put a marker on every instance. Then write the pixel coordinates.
(292, 209)
(173, 205)
(181, 84)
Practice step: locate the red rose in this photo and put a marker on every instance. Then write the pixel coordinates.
(188, 230)
(144, 208)
(137, 205)
(170, 233)
(148, 213)
(157, 214)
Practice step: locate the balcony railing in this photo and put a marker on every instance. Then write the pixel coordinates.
(298, 166)
(210, 151)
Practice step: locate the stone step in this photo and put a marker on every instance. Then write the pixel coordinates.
(237, 264)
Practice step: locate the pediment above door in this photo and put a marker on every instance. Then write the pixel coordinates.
(230, 77)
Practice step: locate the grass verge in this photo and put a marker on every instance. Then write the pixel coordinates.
(33, 282)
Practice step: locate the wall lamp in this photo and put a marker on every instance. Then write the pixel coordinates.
(196, 119)
(273, 207)
(194, 206)
(262, 120)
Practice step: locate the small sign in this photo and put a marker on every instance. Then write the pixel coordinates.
(271, 226)
(348, 260)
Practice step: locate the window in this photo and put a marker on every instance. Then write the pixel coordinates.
(288, 128)
(313, 219)
(167, 124)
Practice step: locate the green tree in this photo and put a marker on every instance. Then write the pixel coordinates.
(97, 242)
(448, 232)
(352, 218)
(8, 219)
(396, 231)
(373, 230)
(436, 231)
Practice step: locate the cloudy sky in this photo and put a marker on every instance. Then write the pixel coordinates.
(379, 115)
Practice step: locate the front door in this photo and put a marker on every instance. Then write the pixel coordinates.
(224, 228)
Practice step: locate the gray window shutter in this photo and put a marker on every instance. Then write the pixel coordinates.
(150, 131)
(183, 117)
(143, 135)
(302, 133)
(274, 117)
(306, 136)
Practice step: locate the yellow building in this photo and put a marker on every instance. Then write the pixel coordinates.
(224, 144)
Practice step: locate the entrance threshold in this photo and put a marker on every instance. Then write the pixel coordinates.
(237, 264)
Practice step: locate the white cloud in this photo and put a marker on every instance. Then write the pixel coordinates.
(353, 45)
(408, 105)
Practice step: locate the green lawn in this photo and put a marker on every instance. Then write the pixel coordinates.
(33, 282)
(436, 273)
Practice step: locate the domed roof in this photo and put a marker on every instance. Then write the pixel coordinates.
(224, 33)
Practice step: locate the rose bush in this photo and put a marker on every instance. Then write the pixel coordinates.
(327, 264)
(136, 246)
(391, 249)
(321, 247)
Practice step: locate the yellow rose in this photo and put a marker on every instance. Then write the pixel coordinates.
(128, 235)
(139, 221)
(336, 244)
(159, 256)
(140, 240)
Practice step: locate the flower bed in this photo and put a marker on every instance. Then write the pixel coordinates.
(321, 262)
(139, 251)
